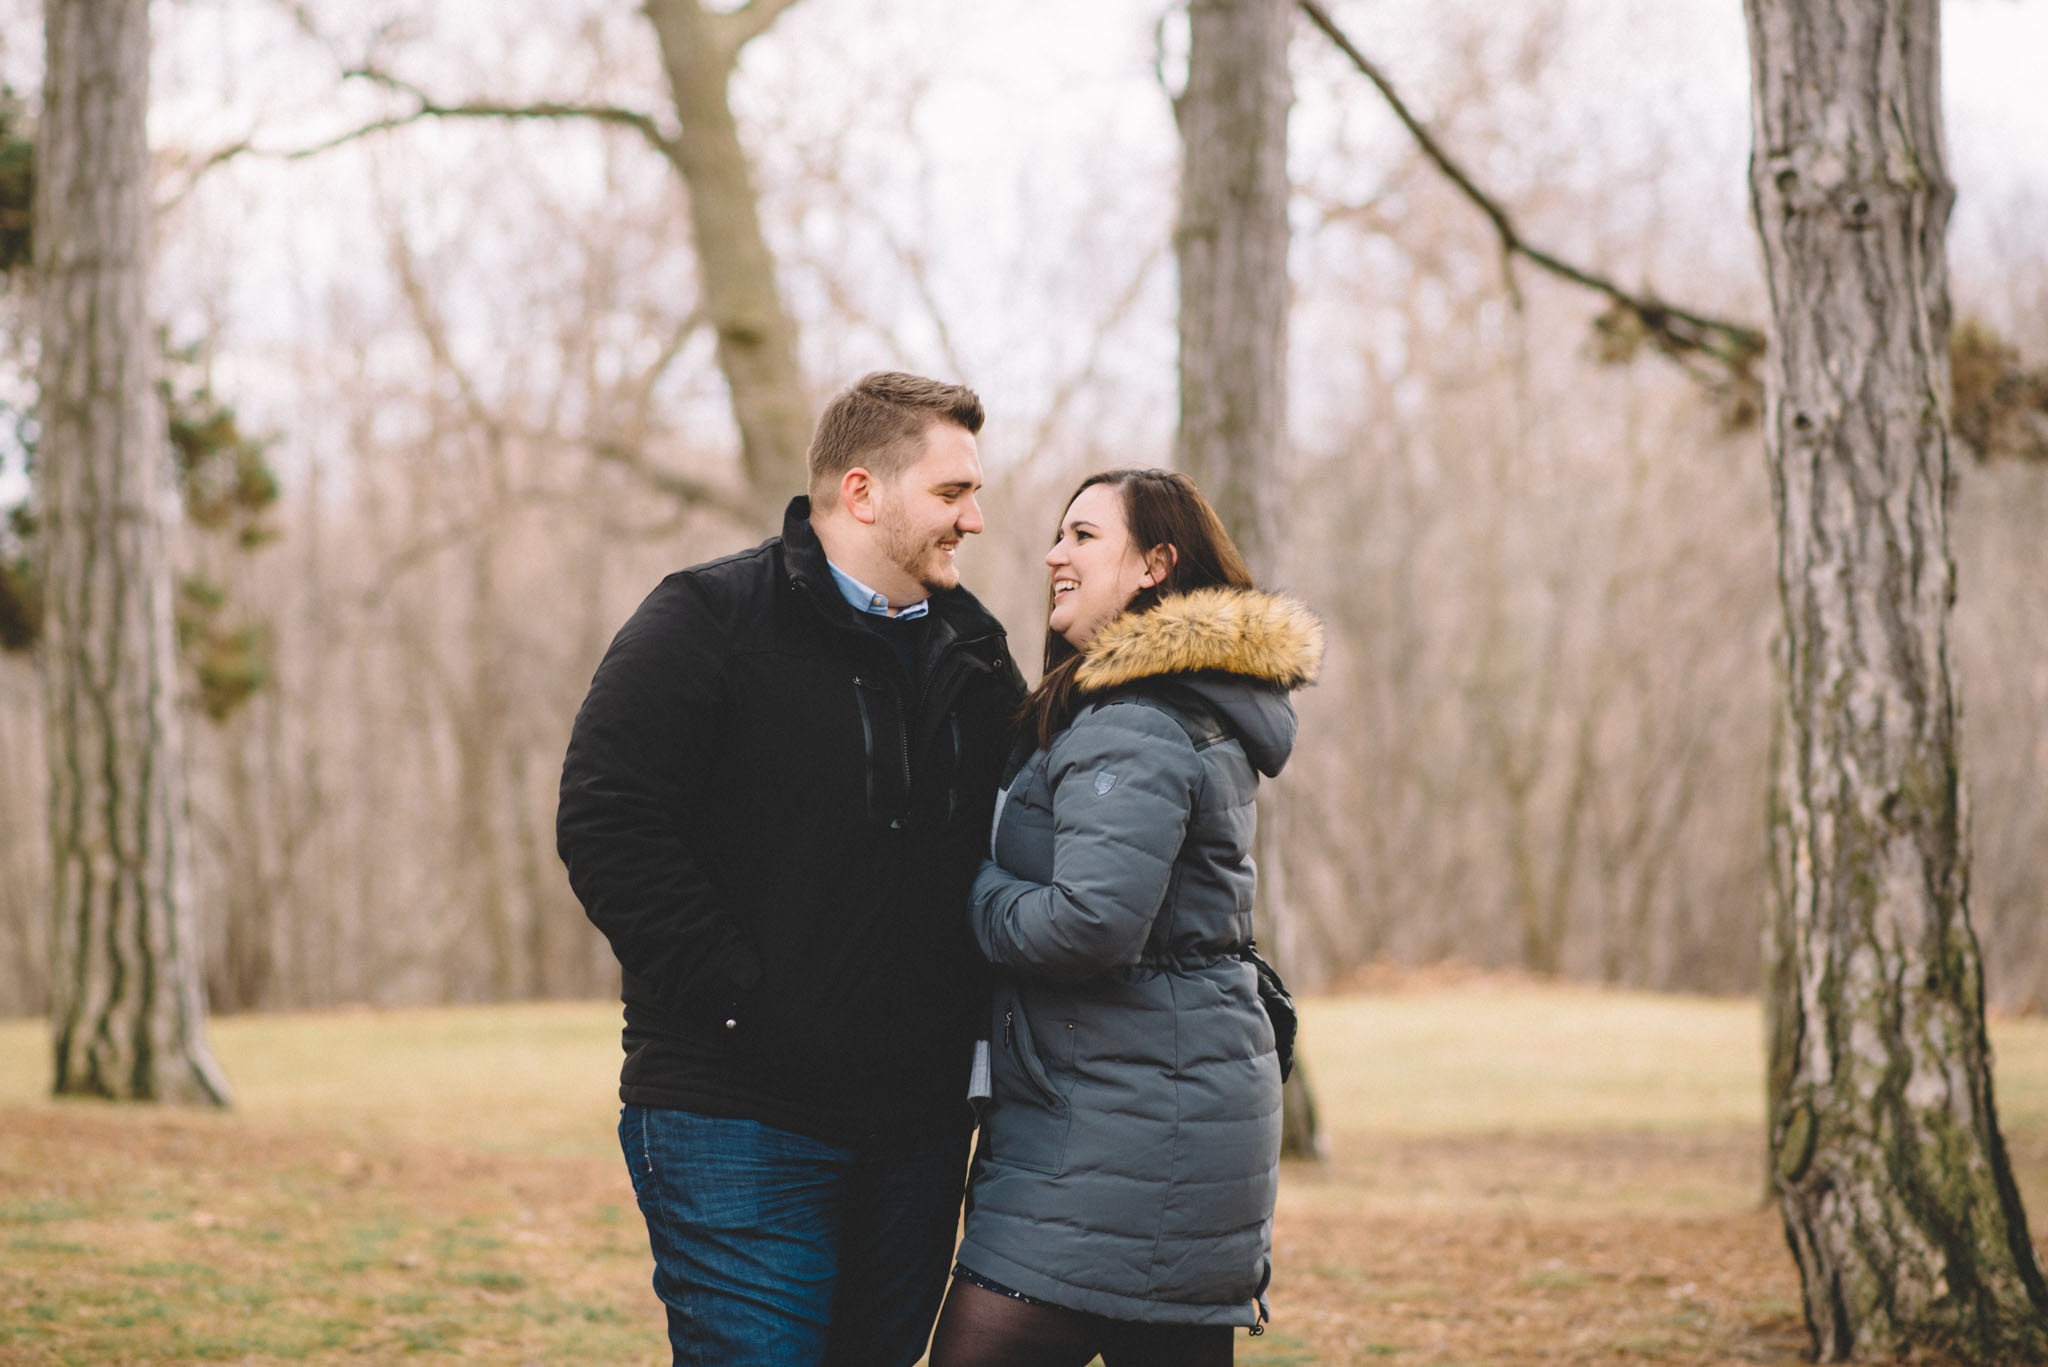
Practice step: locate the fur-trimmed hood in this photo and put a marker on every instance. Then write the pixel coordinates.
(1240, 649)
(1230, 631)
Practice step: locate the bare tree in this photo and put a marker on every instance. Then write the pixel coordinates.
(1720, 353)
(1232, 243)
(736, 270)
(1897, 1194)
(740, 298)
(469, 521)
(24, 847)
(127, 1010)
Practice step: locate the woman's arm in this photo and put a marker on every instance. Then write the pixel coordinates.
(1125, 779)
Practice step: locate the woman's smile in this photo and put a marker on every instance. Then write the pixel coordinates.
(1096, 570)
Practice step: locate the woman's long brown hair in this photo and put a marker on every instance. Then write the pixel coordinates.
(1161, 508)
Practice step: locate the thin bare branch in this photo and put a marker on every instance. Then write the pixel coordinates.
(750, 21)
(433, 329)
(425, 547)
(1064, 395)
(668, 526)
(426, 107)
(915, 263)
(1675, 331)
(679, 336)
(686, 489)
(218, 157)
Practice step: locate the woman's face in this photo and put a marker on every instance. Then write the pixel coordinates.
(1096, 571)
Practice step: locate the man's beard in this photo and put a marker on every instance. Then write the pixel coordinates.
(919, 556)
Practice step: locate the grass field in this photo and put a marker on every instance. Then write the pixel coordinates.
(1517, 1174)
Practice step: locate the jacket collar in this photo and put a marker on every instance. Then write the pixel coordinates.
(1262, 636)
(803, 561)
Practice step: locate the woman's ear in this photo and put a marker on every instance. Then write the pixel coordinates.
(1159, 562)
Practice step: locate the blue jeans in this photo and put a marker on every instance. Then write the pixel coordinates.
(772, 1249)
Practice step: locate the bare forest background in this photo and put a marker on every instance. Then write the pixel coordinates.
(1546, 560)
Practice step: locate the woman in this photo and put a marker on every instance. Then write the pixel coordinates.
(1122, 1199)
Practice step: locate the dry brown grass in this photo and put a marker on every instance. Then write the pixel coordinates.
(1514, 1178)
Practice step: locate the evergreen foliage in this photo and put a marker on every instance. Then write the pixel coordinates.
(225, 481)
(17, 182)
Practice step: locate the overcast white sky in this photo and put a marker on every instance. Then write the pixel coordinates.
(1032, 116)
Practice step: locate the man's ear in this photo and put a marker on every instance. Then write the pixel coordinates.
(857, 494)
(1159, 562)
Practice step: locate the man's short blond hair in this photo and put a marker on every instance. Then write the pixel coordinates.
(878, 423)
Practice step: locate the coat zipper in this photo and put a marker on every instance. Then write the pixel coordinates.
(960, 647)
(903, 734)
(959, 754)
(867, 736)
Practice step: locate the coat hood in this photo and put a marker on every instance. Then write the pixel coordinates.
(1240, 649)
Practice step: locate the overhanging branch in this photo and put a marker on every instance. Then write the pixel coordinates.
(429, 108)
(685, 489)
(426, 107)
(752, 19)
(1682, 334)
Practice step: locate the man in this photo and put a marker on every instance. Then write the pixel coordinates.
(776, 795)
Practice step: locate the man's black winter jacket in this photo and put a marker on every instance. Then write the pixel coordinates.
(776, 829)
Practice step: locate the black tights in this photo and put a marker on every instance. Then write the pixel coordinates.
(983, 1328)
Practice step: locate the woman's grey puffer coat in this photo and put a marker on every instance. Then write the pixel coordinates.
(1130, 1153)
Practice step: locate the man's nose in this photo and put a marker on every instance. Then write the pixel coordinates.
(969, 520)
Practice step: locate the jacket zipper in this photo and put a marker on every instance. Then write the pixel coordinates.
(861, 685)
(867, 736)
(896, 822)
(959, 749)
(959, 650)
(960, 647)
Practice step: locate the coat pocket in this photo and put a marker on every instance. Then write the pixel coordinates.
(1029, 1119)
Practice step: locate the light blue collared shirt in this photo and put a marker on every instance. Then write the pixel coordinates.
(865, 599)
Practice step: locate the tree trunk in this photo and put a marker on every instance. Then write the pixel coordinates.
(127, 1007)
(1898, 1199)
(757, 339)
(247, 976)
(1232, 243)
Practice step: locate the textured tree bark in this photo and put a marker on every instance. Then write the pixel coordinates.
(757, 339)
(1232, 243)
(1898, 1199)
(127, 1007)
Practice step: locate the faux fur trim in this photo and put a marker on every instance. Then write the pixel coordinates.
(1232, 631)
